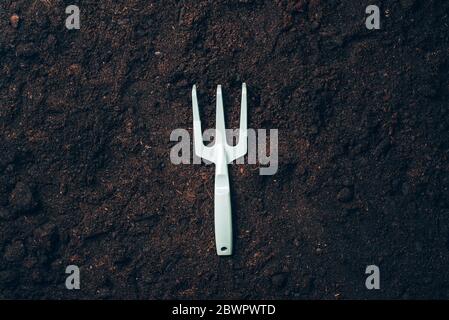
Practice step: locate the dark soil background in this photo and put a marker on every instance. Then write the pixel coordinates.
(85, 174)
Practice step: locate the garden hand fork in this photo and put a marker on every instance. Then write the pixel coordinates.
(221, 154)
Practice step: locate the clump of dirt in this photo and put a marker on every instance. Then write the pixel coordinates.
(85, 174)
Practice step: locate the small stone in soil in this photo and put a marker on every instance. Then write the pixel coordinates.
(74, 69)
(14, 20)
(345, 195)
(296, 242)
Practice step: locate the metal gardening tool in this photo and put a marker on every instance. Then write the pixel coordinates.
(221, 154)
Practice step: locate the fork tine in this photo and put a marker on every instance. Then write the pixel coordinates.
(220, 131)
(197, 132)
(238, 151)
(243, 116)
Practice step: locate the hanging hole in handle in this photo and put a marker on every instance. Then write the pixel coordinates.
(223, 248)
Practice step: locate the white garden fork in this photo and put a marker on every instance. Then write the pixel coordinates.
(221, 154)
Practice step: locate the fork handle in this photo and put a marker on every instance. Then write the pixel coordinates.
(223, 216)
